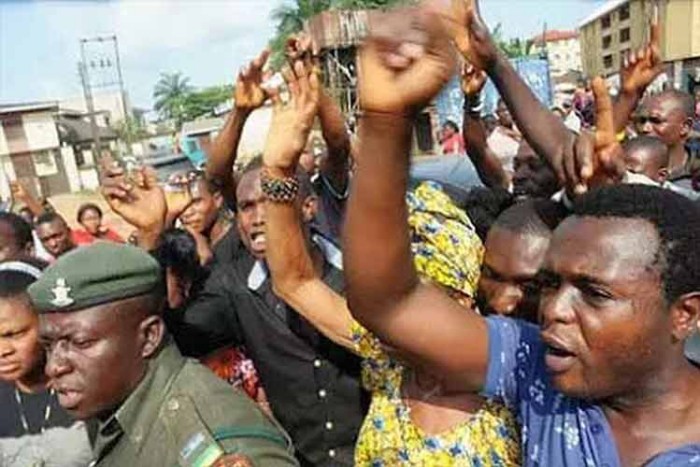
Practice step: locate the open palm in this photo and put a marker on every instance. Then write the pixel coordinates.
(248, 93)
(140, 201)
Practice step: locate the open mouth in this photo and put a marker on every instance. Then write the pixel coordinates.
(559, 359)
(257, 240)
(68, 398)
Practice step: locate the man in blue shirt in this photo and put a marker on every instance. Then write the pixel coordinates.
(603, 381)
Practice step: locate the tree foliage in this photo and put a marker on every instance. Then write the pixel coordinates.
(512, 48)
(176, 100)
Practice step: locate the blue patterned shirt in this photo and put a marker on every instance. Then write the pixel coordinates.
(556, 429)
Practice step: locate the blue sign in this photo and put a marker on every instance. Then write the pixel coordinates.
(534, 71)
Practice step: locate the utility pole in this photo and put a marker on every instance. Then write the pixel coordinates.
(102, 63)
(87, 92)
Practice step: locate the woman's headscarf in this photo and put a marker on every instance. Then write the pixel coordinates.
(446, 248)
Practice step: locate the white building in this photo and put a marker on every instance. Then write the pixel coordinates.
(563, 50)
(111, 104)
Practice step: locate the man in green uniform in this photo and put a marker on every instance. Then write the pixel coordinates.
(110, 358)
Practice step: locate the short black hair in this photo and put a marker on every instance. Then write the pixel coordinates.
(654, 144)
(88, 207)
(538, 217)
(683, 101)
(14, 281)
(675, 218)
(21, 230)
(178, 251)
(484, 205)
(451, 124)
(49, 216)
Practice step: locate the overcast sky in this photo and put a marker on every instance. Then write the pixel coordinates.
(207, 40)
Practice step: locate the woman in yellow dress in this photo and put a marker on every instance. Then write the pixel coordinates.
(414, 419)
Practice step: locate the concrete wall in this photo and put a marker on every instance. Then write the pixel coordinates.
(564, 55)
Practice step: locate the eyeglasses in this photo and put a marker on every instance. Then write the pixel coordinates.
(642, 120)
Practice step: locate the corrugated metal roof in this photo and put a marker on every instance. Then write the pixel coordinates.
(28, 107)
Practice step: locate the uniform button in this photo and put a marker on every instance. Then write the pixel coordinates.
(596, 429)
(329, 426)
(173, 405)
(322, 393)
(317, 363)
(331, 453)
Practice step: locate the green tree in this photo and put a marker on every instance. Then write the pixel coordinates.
(130, 129)
(513, 48)
(170, 94)
(203, 102)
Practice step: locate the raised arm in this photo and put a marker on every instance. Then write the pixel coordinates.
(638, 71)
(137, 199)
(486, 162)
(248, 95)
(383, 289)
(20, 193)
(544, 131)
(336, 166)
(573, 158)
(294, 277)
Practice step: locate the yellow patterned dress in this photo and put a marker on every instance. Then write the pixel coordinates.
(389, 438)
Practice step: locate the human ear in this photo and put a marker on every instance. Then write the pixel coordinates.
(663, 175)
(685, 313)
(152, 331)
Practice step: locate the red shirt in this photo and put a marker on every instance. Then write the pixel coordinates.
(83, 237)
(453, 145)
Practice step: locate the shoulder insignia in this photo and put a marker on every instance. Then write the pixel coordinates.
(196, 445)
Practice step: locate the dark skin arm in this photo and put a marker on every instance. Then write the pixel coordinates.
(486, 162)
(19, 193)
(224, 150)
(541, 128)
(248, 96)
(572, 157)
(336, 166)
(295, 279)
(638, 71)
(383, 290)
(137, 199)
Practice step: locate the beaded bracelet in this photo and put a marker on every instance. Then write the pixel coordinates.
(279, 190)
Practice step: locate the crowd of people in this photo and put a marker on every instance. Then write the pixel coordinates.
(326, 310)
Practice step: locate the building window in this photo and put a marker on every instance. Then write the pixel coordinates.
(608, 61)
(605, 21)
(607, 41)
(624, 12)
(624, 35)
(623, 54)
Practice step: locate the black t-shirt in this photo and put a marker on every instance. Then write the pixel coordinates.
(35, 407)
(51, 437)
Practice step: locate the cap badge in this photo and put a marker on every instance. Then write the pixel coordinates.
(60, 293)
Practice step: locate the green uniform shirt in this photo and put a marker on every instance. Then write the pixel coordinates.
(181, 414)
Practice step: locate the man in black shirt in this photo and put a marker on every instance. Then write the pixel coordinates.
(311, 383)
